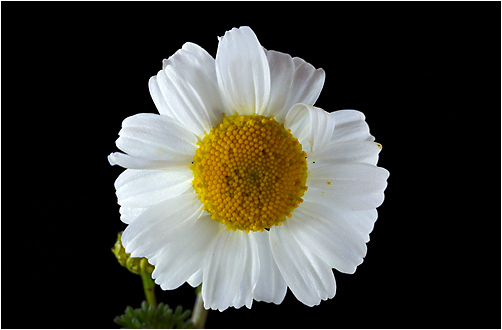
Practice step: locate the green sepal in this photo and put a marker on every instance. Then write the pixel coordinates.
(150, 317)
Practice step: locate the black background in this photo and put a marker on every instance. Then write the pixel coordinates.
(426, 75)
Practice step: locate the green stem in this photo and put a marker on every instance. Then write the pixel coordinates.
(149, 287)
(199, 315)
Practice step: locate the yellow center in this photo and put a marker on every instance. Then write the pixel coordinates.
(250, 172)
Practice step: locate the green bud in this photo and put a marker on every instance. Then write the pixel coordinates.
(134, 265)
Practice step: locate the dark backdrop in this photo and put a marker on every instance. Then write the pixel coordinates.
(426, 75)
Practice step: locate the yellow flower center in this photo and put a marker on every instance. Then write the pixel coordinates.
(250, 172)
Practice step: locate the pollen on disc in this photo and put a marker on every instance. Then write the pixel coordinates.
(250, 172)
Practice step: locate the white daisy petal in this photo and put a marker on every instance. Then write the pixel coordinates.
(349, 152)
(282, 70)
(178, 260)
(153, 141)
(309, 278)
(140, 163)
(196, 279)
(147, 234)
(271, 286)
(128, 214)
(159, 88)
(188, 89)
(311, 125)
(298, 121)
(140, 188)
(352, 186)
(292, 81)
(158, 98)
(355, 202)
(230, 271)
(306, 85)
(243, 72)
(361, 221)
(330, 235)
(350, 126)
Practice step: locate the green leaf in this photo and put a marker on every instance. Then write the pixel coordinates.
(150, 317)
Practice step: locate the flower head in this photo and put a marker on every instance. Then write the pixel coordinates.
(241, 183)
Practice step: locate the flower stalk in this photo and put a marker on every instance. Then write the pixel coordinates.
(199, 315)
(149, 287)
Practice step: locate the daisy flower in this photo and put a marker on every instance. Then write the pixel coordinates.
(240, 183)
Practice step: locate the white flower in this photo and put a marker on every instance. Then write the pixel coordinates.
(218, 190)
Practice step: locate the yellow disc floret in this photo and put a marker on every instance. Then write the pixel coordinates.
(250, 172)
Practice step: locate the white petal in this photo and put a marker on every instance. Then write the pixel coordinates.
(140, 163)
(306, 85)
(183, 254)
(282, 71)
(309, 278)
(142, 188)
(349, 152)
(196, 279)
(351, 186)
(298, 120)
(153, 141)
(186, 89)
(149, 232)
(271, 286)
(354, 202)
(330, 235)
(128, 214)
(292, 80)
(350, 125)
(243, 72)
(230, 271)
(138, 189)
(159, 90)
(312, 126)
(361, 221)
(158, 97)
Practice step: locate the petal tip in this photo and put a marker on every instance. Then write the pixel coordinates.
(111, 159)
